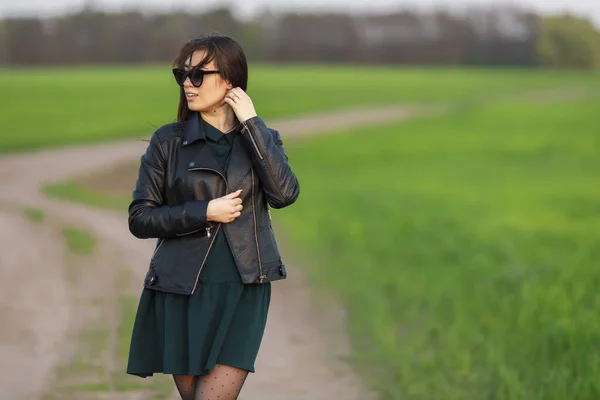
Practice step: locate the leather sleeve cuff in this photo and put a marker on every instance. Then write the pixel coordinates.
(197, 211)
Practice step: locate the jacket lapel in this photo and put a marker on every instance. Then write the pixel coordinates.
(204, 159)
(239, 164)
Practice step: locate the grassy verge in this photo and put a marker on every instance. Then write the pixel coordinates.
(74, 105)
(79, 241)
(465, 248)
(34, 214)
(80, 192)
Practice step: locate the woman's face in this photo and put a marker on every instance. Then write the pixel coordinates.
(209, 96)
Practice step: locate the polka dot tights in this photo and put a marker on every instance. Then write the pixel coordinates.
(222, 383)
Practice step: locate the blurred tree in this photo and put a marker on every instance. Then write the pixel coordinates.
(501, 36)
(312, 37)
(3, 44)
(452, 46)
(488, 36)
(220, 20)
(567, 41)
(251, 40)
(166, 34)
(25, 41)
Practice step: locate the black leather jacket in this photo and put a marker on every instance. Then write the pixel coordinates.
(177, 178)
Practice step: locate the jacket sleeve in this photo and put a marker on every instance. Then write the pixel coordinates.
(149, 216)
(278, 181)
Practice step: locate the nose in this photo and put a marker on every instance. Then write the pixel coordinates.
(187, 83)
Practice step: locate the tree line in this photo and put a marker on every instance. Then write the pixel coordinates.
(498, 36)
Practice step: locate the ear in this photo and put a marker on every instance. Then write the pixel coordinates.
(229, 85)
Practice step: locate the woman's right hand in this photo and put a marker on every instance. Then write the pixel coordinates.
(225, 209)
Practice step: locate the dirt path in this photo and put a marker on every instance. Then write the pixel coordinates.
(35, 267)
(295, 362)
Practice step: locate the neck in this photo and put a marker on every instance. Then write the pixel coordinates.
(222, 118)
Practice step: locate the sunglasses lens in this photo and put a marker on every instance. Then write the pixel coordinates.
(197, 77)
(179, 75)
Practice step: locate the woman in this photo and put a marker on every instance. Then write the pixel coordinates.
(204, 189)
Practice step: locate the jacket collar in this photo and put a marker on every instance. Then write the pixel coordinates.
(194, 129)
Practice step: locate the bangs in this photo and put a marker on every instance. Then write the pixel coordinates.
(185, 57)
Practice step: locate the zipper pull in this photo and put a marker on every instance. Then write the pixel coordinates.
(208, 232)
(269, 212)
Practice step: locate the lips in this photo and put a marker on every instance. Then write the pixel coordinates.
(190, 95)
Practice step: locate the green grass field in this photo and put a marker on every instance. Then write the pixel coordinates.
(465, 247)
(55, 106)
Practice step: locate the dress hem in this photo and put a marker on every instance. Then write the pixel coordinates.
(188, 373)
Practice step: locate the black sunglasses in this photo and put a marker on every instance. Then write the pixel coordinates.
(196, 75)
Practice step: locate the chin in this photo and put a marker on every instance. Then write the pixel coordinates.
(203, 106)
(197, 105)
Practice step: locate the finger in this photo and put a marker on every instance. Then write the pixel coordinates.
(229, 101)
(236, 201)
(232, 217)
(239, 93)
(233, 195)
(233, 94)
(237, 208)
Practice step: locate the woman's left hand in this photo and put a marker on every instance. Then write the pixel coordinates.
(241, 104)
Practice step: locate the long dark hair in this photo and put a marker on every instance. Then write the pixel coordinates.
(229, 58)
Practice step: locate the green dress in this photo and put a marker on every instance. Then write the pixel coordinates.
(221, 323)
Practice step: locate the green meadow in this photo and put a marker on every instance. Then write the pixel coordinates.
(465, 247)
(53, 106)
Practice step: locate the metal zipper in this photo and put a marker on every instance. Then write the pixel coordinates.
(261, 277)
(188, 233)
(208, 229)
(253, 141)
(205, 258)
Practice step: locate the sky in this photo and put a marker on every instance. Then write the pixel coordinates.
(246, 8)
